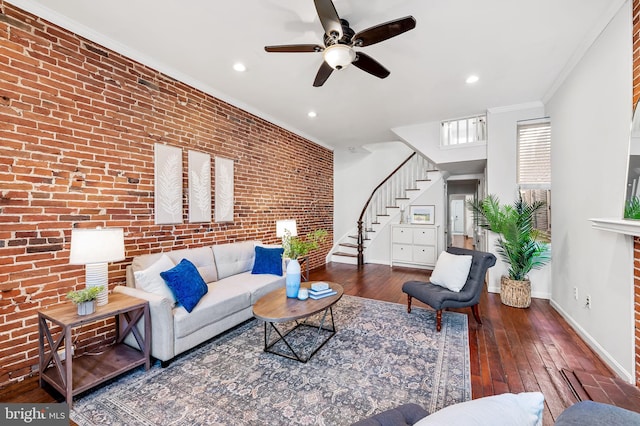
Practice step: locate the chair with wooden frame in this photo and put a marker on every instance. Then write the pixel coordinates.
(440, 298)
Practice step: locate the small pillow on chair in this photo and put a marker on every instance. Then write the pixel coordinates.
(268, 261)
(451, 271)
(186, 283)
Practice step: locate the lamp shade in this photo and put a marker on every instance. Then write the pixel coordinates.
(339, 56)
(286, 225)
(99, 245)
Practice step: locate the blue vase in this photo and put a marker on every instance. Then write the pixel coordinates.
(293, 278)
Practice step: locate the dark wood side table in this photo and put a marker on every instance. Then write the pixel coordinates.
(72, 376)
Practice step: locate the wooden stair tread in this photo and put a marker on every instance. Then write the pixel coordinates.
(412, 189)
(350, 245)
(355, 237)
(339, 253)
(423, 180)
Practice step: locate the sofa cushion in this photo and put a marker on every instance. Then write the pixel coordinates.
(233, 258)
(220, 301)
(451, 271)
(149, 279)
(586, 413)
(201, 257)
(267, 261)
(255, 285)
(186, 284)
(508, 409)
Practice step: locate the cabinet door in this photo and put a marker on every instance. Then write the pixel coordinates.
(424, 236)
(402, 235)
(402, 252)
(424, 254)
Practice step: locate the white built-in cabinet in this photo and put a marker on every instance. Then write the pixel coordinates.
(414, 245)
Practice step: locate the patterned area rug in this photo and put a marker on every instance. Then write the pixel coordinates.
(379, 358)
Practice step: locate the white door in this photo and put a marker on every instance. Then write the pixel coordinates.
(457, 216)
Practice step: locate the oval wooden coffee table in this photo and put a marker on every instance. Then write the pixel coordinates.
(276, 307)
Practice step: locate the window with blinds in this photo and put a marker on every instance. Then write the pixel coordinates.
(534, 169)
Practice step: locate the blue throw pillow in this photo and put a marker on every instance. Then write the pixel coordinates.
(268, 261)
(185, 282)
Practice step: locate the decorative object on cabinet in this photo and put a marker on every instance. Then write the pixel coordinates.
(422, 215)
(94, 248)
(414, 245)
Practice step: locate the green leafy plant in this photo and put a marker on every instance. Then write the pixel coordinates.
(295, 247)
(632, 208)
(84, 295)
(519, 244)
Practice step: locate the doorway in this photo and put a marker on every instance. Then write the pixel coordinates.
(460, 227)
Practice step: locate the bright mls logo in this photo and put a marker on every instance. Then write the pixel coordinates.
(34, 414)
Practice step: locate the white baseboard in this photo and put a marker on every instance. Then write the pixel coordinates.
(608, 359)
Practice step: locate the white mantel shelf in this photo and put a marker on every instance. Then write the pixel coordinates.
(620, 226)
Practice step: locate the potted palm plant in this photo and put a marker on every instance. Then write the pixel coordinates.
(518, 244)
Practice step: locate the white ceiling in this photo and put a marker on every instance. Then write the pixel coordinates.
(519, 49)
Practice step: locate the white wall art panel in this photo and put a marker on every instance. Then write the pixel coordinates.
(199, 187)
(168, 184)
(224, 190)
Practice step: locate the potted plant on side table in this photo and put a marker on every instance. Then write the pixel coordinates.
(518, 245)
(295, 247)
(85, 299)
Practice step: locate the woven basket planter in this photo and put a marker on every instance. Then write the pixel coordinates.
(515, 293)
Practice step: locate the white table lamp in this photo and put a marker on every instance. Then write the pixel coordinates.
(282, 226)
(95, 248)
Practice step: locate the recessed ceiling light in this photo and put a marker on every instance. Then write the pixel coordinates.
(240, 67)
(472, 79)
(312, 114)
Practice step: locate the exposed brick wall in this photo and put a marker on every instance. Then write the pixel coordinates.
(636, 240)
(78, 124)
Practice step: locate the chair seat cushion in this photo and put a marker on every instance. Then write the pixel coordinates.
(435, 296)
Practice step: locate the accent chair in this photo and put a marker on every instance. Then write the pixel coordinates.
(440, 298)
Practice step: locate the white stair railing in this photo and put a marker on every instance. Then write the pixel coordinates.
(391, 193)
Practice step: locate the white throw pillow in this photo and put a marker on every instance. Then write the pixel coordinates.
(150, 280)
(451, 271)
(508, 409)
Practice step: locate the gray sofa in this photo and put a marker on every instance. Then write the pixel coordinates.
(232, 291)
(584, 413)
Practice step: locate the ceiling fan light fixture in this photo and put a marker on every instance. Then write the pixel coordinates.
(339, 56)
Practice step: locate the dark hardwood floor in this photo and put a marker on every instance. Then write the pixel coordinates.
(514, 350)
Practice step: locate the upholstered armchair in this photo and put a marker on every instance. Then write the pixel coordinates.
(440, 297)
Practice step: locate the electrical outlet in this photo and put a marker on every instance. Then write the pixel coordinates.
(588, 304)
(62, 355)
(575, 293)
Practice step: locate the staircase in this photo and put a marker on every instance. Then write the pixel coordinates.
(387, 201)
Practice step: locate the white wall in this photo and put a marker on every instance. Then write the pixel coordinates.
(425, 138)
(590, 120)
(356, 175)
(380, 249)
(502, 182)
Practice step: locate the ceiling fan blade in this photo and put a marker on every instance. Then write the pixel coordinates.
(329, 18)
(384, 31)
(294, 48)
(370, 65)
(323, 74)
